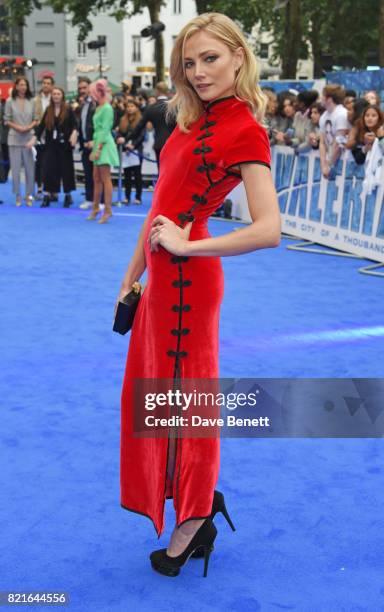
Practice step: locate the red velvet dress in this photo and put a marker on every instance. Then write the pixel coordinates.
(175, 330)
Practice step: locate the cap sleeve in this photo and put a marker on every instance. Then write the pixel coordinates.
(249, 146)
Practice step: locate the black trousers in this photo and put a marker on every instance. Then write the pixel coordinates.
(39, 165)
(135, 173)
(58, 167)
(88, 174)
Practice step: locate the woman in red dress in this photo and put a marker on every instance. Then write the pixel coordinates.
(217, 143)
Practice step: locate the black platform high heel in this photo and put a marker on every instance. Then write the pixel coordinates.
(203, 539)
(218, 505)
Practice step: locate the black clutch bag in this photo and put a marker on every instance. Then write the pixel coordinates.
(126, 309)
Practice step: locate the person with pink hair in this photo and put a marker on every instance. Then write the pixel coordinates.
(104, 151)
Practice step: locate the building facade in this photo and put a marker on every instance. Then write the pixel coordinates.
(54, 43)
(45, 39)
(82, 61)
(271, 69)
(139, 60)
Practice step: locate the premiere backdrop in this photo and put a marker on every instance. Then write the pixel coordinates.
(345, 213)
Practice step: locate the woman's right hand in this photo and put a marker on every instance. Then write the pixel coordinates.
(120, 140)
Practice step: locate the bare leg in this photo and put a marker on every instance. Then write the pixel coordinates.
(105, 173)
(97, 188)
(181, 536)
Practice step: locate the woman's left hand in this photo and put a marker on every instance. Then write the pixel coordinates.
(170, 236)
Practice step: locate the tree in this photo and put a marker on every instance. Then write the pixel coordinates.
(81, 11)
(282, 20)
(292, 30)
(345, 30)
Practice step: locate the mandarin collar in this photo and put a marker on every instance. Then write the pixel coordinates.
(221, 104)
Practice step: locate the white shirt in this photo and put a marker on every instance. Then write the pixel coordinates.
(330, 123)
(45, 100)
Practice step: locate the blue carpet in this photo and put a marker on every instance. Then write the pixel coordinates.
(309, 513)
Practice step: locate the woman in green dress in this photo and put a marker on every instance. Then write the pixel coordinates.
(104, 151)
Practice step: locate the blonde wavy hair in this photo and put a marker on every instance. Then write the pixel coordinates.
(186, 106)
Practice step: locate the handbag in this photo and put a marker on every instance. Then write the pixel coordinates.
(131, 159)
(126, 309)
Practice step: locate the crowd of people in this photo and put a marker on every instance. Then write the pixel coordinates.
(39, 134)
(336, 120)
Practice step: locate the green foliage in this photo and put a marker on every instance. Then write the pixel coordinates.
(81, 11)
(343, 28)
(246, 13)
(20, 9)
